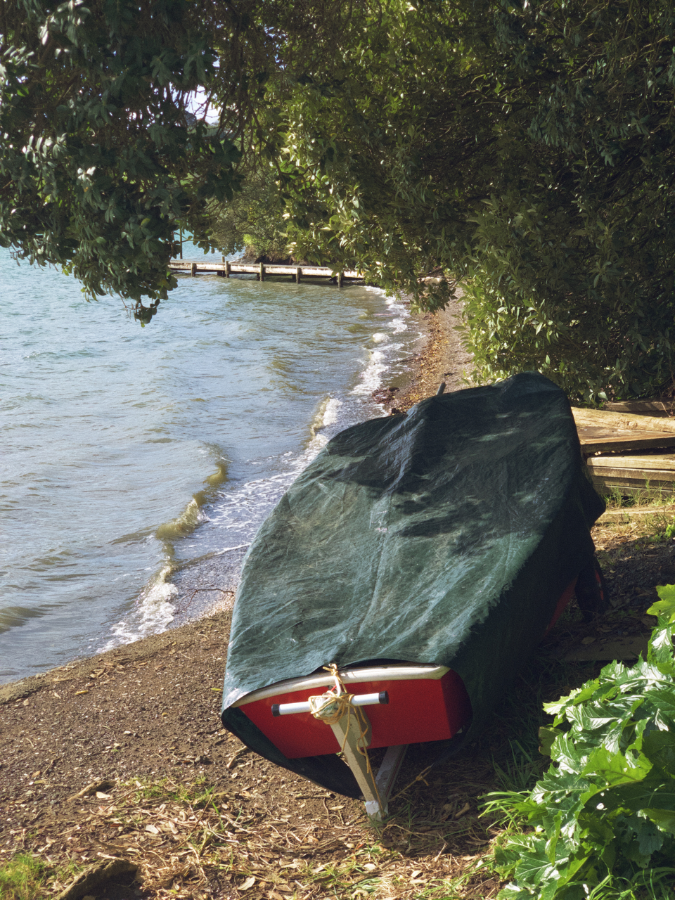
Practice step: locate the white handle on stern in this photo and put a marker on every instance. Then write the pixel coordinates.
(289, 709)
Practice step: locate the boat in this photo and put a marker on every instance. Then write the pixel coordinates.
(404, 579)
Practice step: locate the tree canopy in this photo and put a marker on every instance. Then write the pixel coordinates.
(100, 161)
(253, 218)
(525, 147)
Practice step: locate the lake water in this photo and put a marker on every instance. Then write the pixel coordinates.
(138, 463)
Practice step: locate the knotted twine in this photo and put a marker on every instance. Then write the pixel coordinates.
(333, 706)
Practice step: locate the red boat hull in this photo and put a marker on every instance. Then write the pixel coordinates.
(420, 708)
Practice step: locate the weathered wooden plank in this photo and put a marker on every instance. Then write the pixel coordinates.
(608, 484)
(602, 431)
(629, 512)
(603, 440)
(643, 407)
(632, 474)
(615, 421)
(643, 463)
(606, 649)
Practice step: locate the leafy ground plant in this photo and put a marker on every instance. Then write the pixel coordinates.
(603, 816)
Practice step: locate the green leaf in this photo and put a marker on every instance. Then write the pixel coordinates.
(546, 738)
(663, 698)
(659, 746)
(665, 607)
(652, 793)
(616, 768)
(664, 819)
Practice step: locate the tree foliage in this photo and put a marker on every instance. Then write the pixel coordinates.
(99, 162)
(526, 147)
(253, 218)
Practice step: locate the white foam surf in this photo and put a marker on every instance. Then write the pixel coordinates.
(153, 614)
(239, 510)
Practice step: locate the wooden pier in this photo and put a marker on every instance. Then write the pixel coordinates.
(263, 270)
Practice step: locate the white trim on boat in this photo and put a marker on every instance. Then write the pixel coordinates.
(355, 676)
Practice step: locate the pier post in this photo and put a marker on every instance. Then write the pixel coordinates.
(341, 276)
(298, 275)
(193, 269)
(227, 268)
(262, 271)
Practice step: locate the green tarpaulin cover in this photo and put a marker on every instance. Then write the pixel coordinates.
(443, 536)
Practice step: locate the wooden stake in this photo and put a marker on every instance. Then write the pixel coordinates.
(348, 734)
(386, 777)
(376, 790)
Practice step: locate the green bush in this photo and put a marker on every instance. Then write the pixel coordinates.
(603, 816)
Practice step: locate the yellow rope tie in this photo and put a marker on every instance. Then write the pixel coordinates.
(333, 706)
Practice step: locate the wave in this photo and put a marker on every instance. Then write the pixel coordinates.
(236, 511)
(13, 616)
(193, 515)
(183, 524)
(154, 612)
(328, 414)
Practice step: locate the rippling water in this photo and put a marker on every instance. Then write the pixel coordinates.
(129, 454)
